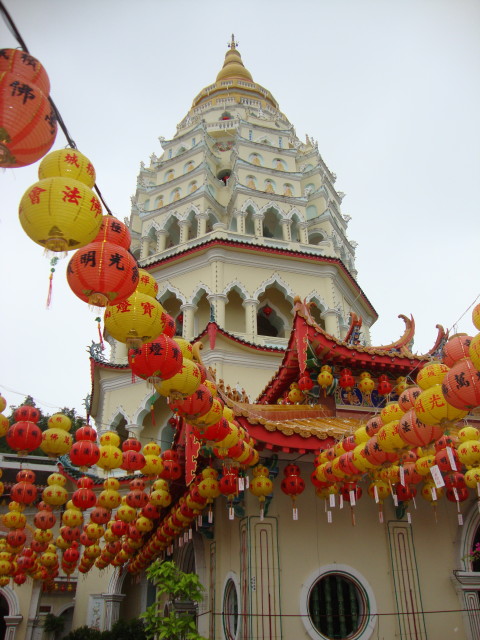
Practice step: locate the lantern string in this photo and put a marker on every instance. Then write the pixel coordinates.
(71, 142)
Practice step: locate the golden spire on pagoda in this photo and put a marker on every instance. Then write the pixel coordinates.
(233, 65)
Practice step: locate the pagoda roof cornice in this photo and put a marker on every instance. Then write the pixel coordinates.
(263, 195)
(264, 128)
(270, 170)
(160, 164)
(166, 144)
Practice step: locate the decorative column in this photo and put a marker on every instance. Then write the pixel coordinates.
(303, 232)
(218, 302)
(202, 223)
(258, 223)
(162, 236)
(184, 227)
(112, 609)
(188, 328)
(286, 229)
(144, 247)
(11, 623)
(134, 430)
(33, 610)
(250, 307)
(240, 218)
(331, 321)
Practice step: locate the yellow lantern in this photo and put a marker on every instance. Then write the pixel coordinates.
(94, 530)
(432, 374)
(474, 351)
(401, 385)
(151, 449)
(147, 284)
(468, 433)
(136, 320)
(326, 492)
(4, 425)
(296, 396)
(469, 453)
(60, 214)
(43, 535)
(56, 442)
(383, 489)
(72, 517)
(160, 498)
(48, 559)
(185, 347)
(217, 410)
(389, 439)
(14, 519)
(325, 377)
(212, 387)
(366, 384)
(92, 551)
(424, 463)
(476, 316)
(126, 513)
(144, 524)
(110, 457)
(61, 543)
(153, 465)
(472, 477)
(110, 438)
(361, 435)
(431, 493)
(432, 408)
(67, 163)
(109, 499)
(231, 439)
(391, 411)
(261, 485)
(183, 383)
(208, 487)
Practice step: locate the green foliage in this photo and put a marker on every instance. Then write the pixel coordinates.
(84, 633)
(170, 580)
(133, 629)
(177, 586)
(53, 624)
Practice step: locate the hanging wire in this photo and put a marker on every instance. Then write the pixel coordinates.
(71, 142)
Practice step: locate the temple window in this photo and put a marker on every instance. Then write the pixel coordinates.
(224, 176)
(269, 322)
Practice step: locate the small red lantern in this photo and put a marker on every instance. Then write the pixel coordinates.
(84, 498)
(114, 231)
(100, 515)
(29, 125)
(132, 460)
(86, 433)
(305, 383)
(196, 404)
(27, 412)
(84, 453)
(293, 485)
(267, 310)
(171, 470)
(415, 432)
(346, 380)
(169, 326)
(456, 495)
(405, 492)
(155, 361)
(24, 436)
(102, 273)
(23, 492)
(70, 533)
(384, 385)
(16, 537)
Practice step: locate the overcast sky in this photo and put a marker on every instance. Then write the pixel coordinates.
(389, 89)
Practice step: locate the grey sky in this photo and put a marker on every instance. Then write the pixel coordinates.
(389, 89)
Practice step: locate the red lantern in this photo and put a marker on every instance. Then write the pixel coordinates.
(442, 460)
(150, 511)
(84, 498)
(305, 383)
(346, 381)
(415, 432)
(351, 489)
(456, 495)
(84, 453)
(456, 349)
(86, 433)
(114, 231)
(132, 460)
(26, 412)
(100, 515)
(405, 492)
(155, 361)
(228, 483)
(131, 444)
(169, 326)
(70, 533)
(72, 554)
(461, 385)
(292, 484)
(136, 498)
(194, 405)
(119, 528)
(410, 473)
(16, 538)
(384, 387)
(102, 273)
(26, 66)
(171, 470)
(19, 578)
(24, 436)
(29, 125)
(373, 425)
(25, 475)
(408, 398)
(23, 492)
(44, 518)
(215, 433)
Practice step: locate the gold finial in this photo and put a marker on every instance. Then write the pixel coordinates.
(232, 45)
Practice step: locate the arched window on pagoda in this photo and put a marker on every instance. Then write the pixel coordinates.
(316, 311)
(315, 237)
(235, 312)
(172, 304)
(249, 222)
(173, 229)
(269, 322)
(202, 314)
(295, 232)
(271, 225)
